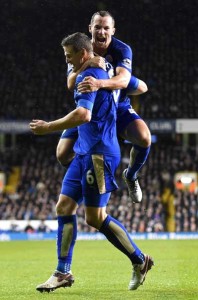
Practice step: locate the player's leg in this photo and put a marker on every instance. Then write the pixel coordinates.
(115, 232)
(66, 237)
(138, 134)
(118, 236)
(132, 128)
(67, 232)
(64, 150)
(67, 229)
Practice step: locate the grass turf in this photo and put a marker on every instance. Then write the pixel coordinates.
(101, 272)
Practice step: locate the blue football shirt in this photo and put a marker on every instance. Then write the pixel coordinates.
(98, 135)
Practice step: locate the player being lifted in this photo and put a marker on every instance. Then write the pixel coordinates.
(92, 171)
(130, 126)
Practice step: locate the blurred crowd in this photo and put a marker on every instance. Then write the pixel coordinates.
(41, 177)
(164, 41)
(161, 33)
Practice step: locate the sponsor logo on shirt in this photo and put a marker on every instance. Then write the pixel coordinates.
(132, 111)
(127, 63)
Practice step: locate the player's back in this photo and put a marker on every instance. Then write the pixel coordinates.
(98, 135)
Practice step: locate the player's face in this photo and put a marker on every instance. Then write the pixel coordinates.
(101, 30)
(72, 57)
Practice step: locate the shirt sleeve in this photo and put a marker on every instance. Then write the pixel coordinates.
(133, 84)
(124, 57)
(85, 100)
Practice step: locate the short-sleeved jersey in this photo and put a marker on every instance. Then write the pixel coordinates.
(98, 135)
(119, 54)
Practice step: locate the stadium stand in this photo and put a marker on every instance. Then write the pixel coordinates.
(41, 176)
(33, 85)
(163, 40)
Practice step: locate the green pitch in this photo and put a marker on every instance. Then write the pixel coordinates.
(100, 271)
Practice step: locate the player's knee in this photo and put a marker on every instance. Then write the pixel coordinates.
(66, 206)
(60, 155)
(145, 139)
(63, 157)
(93, 222)
(59, 208)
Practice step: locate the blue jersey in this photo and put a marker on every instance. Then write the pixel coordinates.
(98, 135)
(120, 54)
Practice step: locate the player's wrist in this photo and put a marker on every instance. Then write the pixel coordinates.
(101, 84)
(50, 126)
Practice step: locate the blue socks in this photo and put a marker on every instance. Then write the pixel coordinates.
(66, 238)
(138, 156)
(117, 235)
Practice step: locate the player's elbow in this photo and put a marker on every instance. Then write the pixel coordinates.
(87, 117)
(84, 115)
(124, 84)
(143, 88)
(70, 87)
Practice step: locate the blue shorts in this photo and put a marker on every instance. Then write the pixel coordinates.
(71, 133)
(125, 115)
(91, 176)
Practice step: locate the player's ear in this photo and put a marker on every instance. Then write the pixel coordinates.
(89, 28)
(113, 31)
(83, 53)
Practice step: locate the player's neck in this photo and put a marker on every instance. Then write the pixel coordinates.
(91, 55)
(99, 51)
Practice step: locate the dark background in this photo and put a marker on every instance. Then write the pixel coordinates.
(162, 34)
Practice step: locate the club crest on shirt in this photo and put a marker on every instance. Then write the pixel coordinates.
(109, 58)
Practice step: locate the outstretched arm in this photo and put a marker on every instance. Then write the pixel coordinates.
(78, 116)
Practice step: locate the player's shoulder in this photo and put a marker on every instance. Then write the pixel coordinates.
(95, 72)
(116, 43)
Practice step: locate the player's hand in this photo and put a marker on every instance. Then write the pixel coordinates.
(89, 84)
(97, 62)
(39, 127)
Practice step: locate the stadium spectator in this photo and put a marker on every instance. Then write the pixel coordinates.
(29, 228)
(43, 227)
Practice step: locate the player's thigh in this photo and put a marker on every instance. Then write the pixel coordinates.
(72, 182)
(125, 116)
(98, 176)
(137, 132)
(66, 143)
